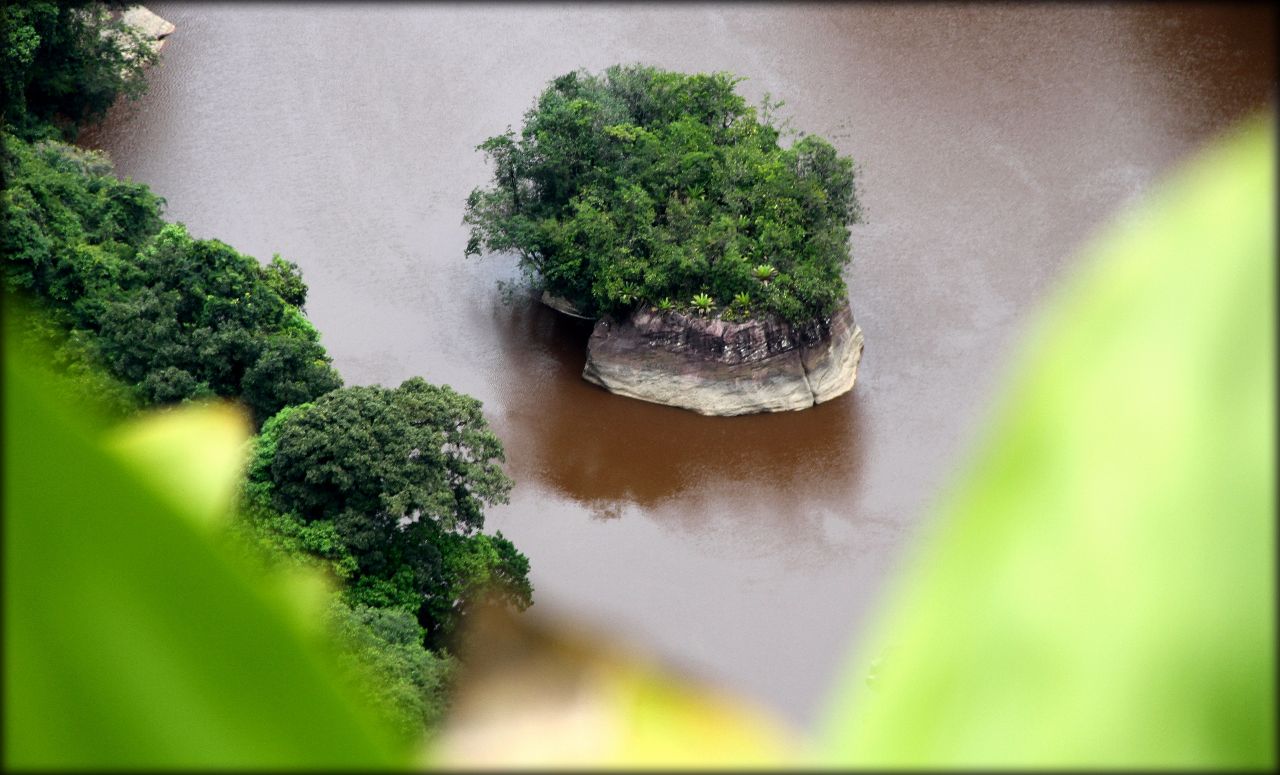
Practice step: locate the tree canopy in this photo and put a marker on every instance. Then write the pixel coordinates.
(174, 317)
(200, 319)
(140, 313)
(400, 476)
(646, 186)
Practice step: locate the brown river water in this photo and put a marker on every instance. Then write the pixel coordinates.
(994, 141)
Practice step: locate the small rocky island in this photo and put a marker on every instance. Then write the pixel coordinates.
(661, 206)
(725, 368)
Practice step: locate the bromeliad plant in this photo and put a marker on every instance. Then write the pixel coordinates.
(764, 273)
(702, 303)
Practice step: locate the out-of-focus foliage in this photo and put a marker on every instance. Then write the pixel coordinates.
(381, 650)
(400, 477)
(201, 479)
(81, 380)
(1099, 591)
(63, 64)
(640, 184)
(132, 639)
(550, 694)
(134, 312)
(173, 318)
(385, 662)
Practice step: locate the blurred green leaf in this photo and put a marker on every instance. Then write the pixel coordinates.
(1099, 589)
(195, 457)
(131, 638)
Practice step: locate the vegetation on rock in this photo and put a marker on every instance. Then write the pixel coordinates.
(640, 184)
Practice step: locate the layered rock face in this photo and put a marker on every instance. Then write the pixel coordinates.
(718, 367)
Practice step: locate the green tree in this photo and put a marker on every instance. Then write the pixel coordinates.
(198, 318)
(285, 279)
(134, 312)
(71, 228)
(640, 184)
(381, 650)
(172, 317)
(69, 231)
(403, 475)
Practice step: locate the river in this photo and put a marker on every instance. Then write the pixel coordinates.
(993, 143)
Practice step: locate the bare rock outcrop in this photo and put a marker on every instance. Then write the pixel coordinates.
(149, 24)
(563, 305)
(719, 367)
(150, 27)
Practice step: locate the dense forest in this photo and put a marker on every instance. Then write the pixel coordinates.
(643, 186)
(384, 489)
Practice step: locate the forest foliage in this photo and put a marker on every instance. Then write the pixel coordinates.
(390, 485)
(171, 317)
(64, 63)
(136, 313)
(642, 186)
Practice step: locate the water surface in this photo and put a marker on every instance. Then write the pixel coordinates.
(993, 142)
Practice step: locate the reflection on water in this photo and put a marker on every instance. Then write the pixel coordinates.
(608, 452)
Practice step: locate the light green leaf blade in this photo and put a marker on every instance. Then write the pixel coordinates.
(1099, 590)
(194, 457)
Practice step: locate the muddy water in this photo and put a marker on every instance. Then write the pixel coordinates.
(993, 142)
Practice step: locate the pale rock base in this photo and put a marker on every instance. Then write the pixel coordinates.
(718, 367)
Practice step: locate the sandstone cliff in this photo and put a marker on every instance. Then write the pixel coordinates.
(718, 367)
